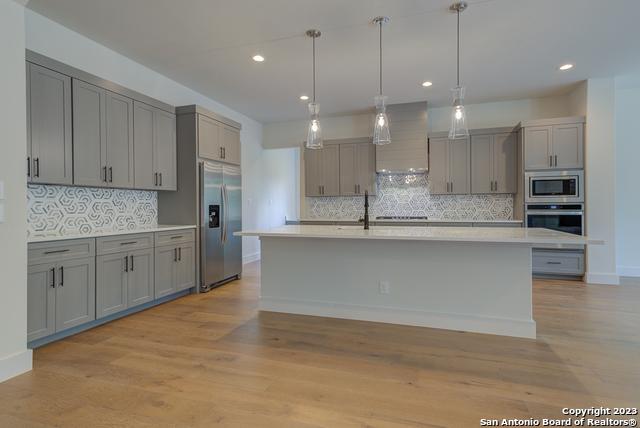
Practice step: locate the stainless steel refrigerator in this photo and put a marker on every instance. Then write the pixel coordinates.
(221, 216)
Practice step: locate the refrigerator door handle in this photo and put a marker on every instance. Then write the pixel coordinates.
(225, 210)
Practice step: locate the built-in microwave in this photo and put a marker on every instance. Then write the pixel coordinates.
(554, 187)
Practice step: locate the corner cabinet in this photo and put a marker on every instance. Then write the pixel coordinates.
(49, 140)
(493, 163)
(449, 166)
(322, 171)
(155, 150)
(554, 144)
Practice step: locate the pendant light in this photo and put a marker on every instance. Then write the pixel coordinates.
(381, 134)
(458, 127)
(314, 133)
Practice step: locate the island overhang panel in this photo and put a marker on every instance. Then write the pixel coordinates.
(458, 279)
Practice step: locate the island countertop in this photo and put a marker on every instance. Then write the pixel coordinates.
(444, 234)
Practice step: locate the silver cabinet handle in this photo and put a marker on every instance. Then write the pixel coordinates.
(61, 276)
(131, 263)
(53, 277)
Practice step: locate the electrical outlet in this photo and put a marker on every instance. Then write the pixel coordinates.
(385, 287)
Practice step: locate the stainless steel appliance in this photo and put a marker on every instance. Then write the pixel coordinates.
(221, 216)
(567, 218)
(554, 187)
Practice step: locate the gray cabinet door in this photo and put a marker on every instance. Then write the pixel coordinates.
(348, 169)
(438, 166)
(165, 150)
(75, 293)
(140, 281)
(186, 267)
(89, 134)
(482, 164)
(331, 170)
(505, 163)
(568, 146)
(143, 153)
(365, 168)
(209, 138)
(49, 143)
(119, 148)
(111, 283)
(459, 166)
(537, 147)
(231, 145)
(313, 172)
(166, 259)
(41, 301)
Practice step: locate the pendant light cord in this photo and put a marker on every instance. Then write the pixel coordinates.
(380, 23)
(458, 49)
(314, 69)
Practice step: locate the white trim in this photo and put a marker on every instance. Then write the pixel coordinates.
(602, 278)
(470, 323)
(629, 271)
(15, 364)
(249, 258)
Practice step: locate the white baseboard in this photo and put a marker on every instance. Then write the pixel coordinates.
(473, 324)
(629, 271)
(602, 278)
(251, 258)
(15, 364)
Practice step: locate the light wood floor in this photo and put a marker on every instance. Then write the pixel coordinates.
(213, 360)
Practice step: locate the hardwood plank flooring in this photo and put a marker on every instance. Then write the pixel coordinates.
(214, 360)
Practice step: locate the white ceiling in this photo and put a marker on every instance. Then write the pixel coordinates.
(510, 48)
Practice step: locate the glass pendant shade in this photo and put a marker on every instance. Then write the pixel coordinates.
(314, 133)
(381, 134)
(458, 128)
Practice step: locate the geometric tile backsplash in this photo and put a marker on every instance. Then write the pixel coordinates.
(408, 195)
(63, 210)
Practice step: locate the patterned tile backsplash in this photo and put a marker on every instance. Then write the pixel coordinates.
(65, 210)
(408, 195)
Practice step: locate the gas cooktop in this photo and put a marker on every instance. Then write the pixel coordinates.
(402, 218)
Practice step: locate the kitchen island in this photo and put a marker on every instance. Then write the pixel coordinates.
(458, 278)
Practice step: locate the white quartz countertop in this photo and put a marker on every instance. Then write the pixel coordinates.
(421, 233)
(400, 220)
(45, 237)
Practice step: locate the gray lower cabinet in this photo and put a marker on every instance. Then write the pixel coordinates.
(59, 296)
(124, 279)
(175, 268)
(493, 163)
(154, 148)
(558, 262)
(49, 140)
(449, 166)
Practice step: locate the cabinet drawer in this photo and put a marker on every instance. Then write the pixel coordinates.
(120, 243)
(558, 262)
(174, 237)
(47, 252)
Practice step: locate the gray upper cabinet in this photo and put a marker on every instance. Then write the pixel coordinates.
(218, 141)
(231, 145)
(89, 134)
(322, 171)
(554, 146)
(49, 139)
(357, 168)
(449, 166)
(154, 148)
(119, 147)
(493, 163)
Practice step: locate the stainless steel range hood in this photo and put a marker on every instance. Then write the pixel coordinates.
(407, 153)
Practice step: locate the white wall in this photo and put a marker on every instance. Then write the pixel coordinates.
(53, 40)
(600, 178)
(627, 93)
(14, 356)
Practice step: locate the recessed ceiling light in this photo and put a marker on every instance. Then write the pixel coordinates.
(258, 58)
(304, 97)
(426, 84)
(566, 67)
